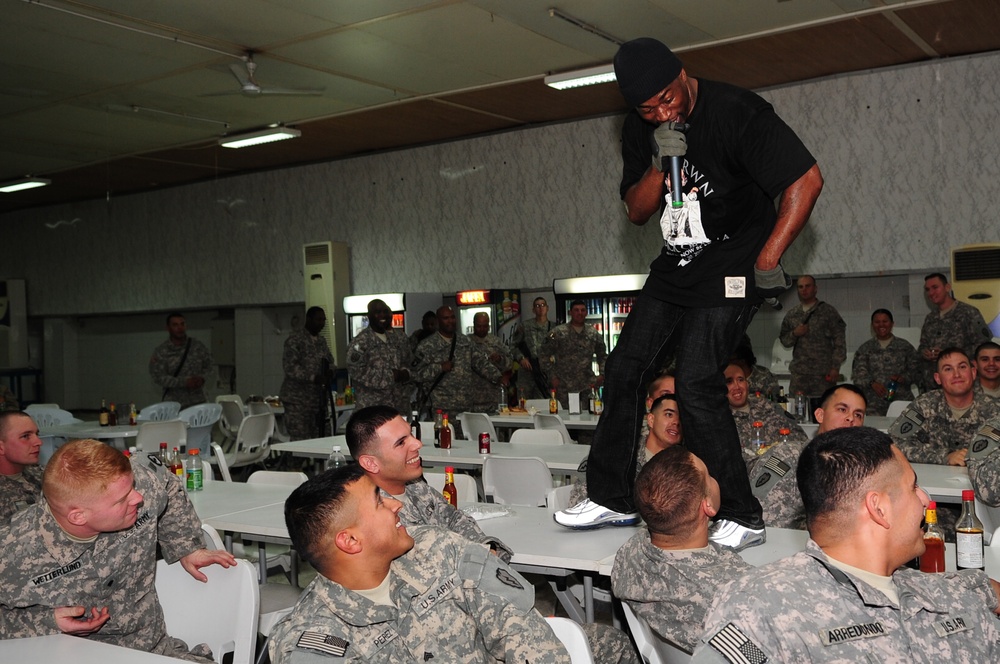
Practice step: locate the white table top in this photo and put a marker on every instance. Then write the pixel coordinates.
(64, 648)
(583, 421)
(222, 498)
(91, 430)
(943, 483)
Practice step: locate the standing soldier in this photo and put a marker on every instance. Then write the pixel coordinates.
(570, 350)
(379, 361)
(445, 364)
(814, 331)
(180, 364)
(486, 393)
(526, 345)
(953, 323)
(308, 367)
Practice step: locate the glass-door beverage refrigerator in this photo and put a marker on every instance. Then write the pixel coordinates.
(609, 299)
(407, 310)
(503, 306)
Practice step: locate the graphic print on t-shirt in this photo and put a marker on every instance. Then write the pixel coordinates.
(683, 233)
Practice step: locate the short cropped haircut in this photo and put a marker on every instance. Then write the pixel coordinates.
(362, 428)
(5, 419)
(883, 311)
(850, 387)
(951, 350)
(835, 465)
(314, 311)
(664, 397)
(311, 510)
(667, 491)
(665, 373)
(80, 469)
(174, 314)
(576, 302)
(986, 345)
(936, 275)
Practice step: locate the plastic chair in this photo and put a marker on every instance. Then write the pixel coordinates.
(573, 637)
(275, 555)
(537, 436)
(557, 499)
(251, 441)
(41, 406)
(171, 432)
(516, 480)
(51, 417)
(158, 412)
(549, 421)
(221, 613)
(896, 408)
(232, 414)
(653, 648)
(474, 424)
(257, 408)
(200, 419)
(465, 485)
(218, 458)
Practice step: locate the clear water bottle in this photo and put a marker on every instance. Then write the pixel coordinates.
(800, 407)
(193, 471)
(337, 459)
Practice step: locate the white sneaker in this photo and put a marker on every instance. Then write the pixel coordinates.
(588, 515)
(734, 536)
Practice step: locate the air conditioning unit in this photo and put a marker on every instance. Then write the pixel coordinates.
(327, 272)
(975, 279)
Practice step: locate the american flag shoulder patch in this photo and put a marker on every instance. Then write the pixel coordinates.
(776, 465)
(736, 647)
(331, 645)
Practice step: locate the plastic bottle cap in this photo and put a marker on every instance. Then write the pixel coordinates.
(932, 505)
(336, 448)
(968, 494)
(194, 451)
(449, 469)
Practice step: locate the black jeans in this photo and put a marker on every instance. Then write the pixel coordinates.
(702, 341)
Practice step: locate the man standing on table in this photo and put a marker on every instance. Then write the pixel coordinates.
(83, 560)
(180, 364)
(308, 366)
(815, 333)
(20, 476)
(720, 257)
(379, 362)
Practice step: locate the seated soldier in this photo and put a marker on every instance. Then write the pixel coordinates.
(849, 597)
(385, 594)
(746, 411)
(82, 561)
(20, 475)
(380, 441)
(772, 476)
(938, 426)
(984, 463)
(669, 573)
(988, 368)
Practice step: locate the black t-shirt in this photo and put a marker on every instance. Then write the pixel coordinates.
(740, 157)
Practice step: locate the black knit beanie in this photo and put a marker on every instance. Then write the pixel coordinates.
(643, 67)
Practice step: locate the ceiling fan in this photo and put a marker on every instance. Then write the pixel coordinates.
(249, 87)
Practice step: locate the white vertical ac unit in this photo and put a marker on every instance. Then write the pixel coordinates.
(975, 279)
(327, 280)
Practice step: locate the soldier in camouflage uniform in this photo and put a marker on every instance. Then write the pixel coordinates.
(748, 410)
(83, 561)
(832, 602)
(428, 326)
(984, 463)
(379, 362)
(451, 393)
(669, 573)
(526, 345)
(7, 399)
(380, 441)
(486, 393)
(772, 475)
(949, 323)
(570, 350)
(882, 360)
(386, 595)
(20, 476)
(181, 364)
(815, 332)
(759, 379)
(988, 369)
(938, 426)
(308, 366)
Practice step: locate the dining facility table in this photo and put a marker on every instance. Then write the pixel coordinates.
(65, 648)
(116, 435)
(581, 421)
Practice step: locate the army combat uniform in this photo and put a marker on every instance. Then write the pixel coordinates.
(673, 590)
(303, 360)
(962, 326)
(485, 392)
(984, 463)
(453, 602)
(43, 568)
(532, 334)
(772, 480)
(453, 393)
(773, 417)
(570, 355)
(7, 399)
(424, 506)
(19, 491)
(927, 431)
(371, 362)
(803, 609)
(166, 358)
(763, 381)
(816, 353)
(873, 363)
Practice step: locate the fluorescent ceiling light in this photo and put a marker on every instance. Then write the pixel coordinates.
(615, 283)
(23, 183)
(582, 77)
(257, 137)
